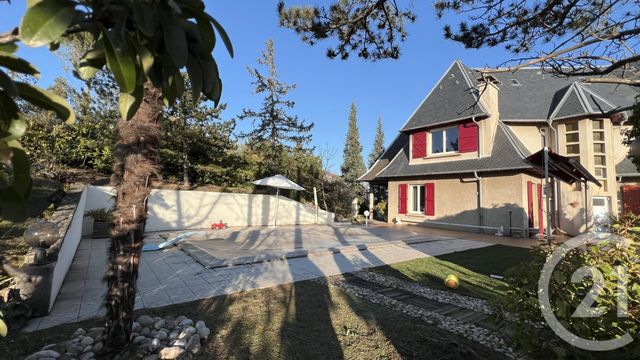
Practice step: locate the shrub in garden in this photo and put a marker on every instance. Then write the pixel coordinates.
(534, 336)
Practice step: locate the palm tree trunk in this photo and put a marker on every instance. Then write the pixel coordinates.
(136, 162)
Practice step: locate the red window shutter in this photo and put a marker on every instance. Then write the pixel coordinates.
(419, 145)
(430, 199)
(530, 203)
(540, 212)
(402, 199)
(467, 137)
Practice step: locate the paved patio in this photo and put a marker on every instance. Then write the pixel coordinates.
(172, 277)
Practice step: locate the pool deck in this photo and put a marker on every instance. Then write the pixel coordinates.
(171, 276)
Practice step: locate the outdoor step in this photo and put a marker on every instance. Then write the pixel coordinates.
(403, 297)
(448, 310)
(426, 304)
(468, 316)
(392, 293)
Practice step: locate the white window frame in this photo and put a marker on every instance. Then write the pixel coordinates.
(411, 198)
(444, 141)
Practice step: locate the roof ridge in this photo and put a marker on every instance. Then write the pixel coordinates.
(380, 157)
(472, 85)
(582, 97)
(594, 93)
(512, 139)
(393, 159)
(573, 87)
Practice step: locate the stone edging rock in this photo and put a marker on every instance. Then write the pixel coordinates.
(154, 338)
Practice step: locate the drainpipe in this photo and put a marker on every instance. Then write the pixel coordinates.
(479, 190)
(556, 186)
(586, 206)
(473, 118)
(547, 188)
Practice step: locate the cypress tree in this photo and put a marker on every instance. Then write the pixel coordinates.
(378, 143)
(352, 164)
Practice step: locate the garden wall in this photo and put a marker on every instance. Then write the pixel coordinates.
(174, 210)
(68, 247)
(93, 197)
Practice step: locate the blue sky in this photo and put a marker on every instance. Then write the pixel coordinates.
(325, 88)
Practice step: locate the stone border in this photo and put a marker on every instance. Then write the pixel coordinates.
(472, 332)
(446, 297)
(204, 258)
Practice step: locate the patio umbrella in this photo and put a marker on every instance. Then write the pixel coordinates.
(278, 182)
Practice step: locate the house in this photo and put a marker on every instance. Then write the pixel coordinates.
(460, 160)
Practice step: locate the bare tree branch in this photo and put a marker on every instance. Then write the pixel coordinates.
(10, 37)
(612, 81)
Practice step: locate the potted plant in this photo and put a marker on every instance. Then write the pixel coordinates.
(97, 223)
(381, 210)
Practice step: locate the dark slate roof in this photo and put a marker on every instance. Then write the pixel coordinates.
(455, 97)
(529, 94)
(506, 155)
(534, 94)
(571, 104)
(626, 167)
(396, 145)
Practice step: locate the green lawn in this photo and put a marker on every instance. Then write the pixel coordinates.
(305, 320)
(472, 267)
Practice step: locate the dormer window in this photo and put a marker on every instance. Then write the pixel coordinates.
(444, 140)
(461, 138)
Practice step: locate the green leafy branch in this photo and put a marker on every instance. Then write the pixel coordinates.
(137, 41)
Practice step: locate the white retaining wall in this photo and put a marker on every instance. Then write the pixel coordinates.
(100, 197)
(68, 249)
(174, 209)
(93, 197)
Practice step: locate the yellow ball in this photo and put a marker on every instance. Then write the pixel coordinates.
(3, 328)
(451, 281)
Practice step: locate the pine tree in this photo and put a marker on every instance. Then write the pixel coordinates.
(352, 164)
(274, 130)
(378, 143)
(195, 134)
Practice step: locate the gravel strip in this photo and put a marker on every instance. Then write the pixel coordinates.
(469, 331)
(446, 297)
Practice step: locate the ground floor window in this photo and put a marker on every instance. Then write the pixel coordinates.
(417, 199)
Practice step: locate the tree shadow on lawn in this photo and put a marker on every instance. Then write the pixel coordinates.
(472, 267)
(413, 338)
(307, 327)
(432, 273)
(495, 259)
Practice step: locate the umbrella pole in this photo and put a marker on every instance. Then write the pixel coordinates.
(275, 219)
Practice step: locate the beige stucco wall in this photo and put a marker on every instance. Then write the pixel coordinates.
(173, 209)
(529, 135)
(501, 194)
(572, 203)
(456, 200)
(620, 150)
(488, 126)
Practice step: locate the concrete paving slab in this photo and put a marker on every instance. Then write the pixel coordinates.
(171, 276)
